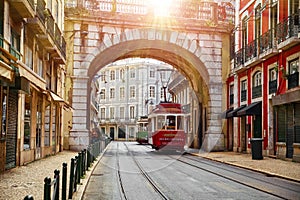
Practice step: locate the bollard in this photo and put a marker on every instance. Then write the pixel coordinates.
(56, 185)
(88, 159)
(64, 182)
(79, 165)
(28, 197)
(47, 188)
(72, 178)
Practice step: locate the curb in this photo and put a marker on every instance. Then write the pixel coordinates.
(249, 168)
(78, 195)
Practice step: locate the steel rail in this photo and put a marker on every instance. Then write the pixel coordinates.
(146, 175)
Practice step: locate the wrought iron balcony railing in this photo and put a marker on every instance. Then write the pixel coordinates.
(293, 80)
(251, 50)
(288, 28)
(239, 58)
(256, 91)
(266, 41)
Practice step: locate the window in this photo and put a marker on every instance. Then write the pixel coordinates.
(131, 132)
(257, 22)
(29, 55)
(293, 77)
(231, 95)
(111, 112)
(244, 33)
(152, 73)
(39, 122)
(122, 92)
(47, 124)
(103, 79)
(102, 113)
(122, 113)
(256, 86)
(27, 123)
(102, 94)
(40, 67)
(272, 81)
(162, 92)
(122, 74)
(112, 93)
(243, 90)
(151, 91)
(132, 73)
(15, 44)
(132, 112)
(257, 79)
(132, 91)
(112, 75)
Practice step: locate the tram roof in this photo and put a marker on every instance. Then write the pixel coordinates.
(165, 108)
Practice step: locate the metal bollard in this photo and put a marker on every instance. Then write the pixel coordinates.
(47, 188)
(28, 197)
(64, 182)
(56, 185)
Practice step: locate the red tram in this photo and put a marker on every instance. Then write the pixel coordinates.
(166, 127)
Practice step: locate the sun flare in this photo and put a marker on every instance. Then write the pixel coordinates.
(161, 7)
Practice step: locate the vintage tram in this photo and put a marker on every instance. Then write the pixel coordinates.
(142, 133)
(166, 127)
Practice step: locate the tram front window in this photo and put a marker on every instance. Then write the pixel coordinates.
(171, 122)
(161, 122)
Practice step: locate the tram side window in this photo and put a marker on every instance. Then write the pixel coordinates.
(161, 122)
(179, 123)
(171, 122)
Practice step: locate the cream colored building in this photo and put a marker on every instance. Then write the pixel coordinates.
(32, 59)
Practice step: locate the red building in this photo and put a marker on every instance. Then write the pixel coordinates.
(263, 87)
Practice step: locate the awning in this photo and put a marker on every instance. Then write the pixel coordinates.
(6, 71)
(55, 97)
(233, 113)
(252, 109)
(224, 114)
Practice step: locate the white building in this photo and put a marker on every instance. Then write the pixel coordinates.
(127, 90)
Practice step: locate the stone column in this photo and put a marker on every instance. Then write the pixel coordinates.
(214, 138)
(79, 134)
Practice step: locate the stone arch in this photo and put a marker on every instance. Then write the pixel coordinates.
(182, 51)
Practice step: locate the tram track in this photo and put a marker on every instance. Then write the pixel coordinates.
(146, 175)
(119, 176)
(231, 178)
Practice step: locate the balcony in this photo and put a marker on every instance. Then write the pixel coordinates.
(267, 45)
(287, 32)
(37, 23)
(284, 36)
(293, 80)
(25, 8)
(256, 92)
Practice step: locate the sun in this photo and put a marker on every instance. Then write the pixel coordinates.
(161, 7)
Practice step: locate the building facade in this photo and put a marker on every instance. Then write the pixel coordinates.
(32, 58)
(263, 87)
(182, 93)
(127, 90)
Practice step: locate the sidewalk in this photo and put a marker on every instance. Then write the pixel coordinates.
(16, 183)
(270, 166)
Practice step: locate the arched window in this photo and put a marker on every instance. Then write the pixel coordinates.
(256, 85)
